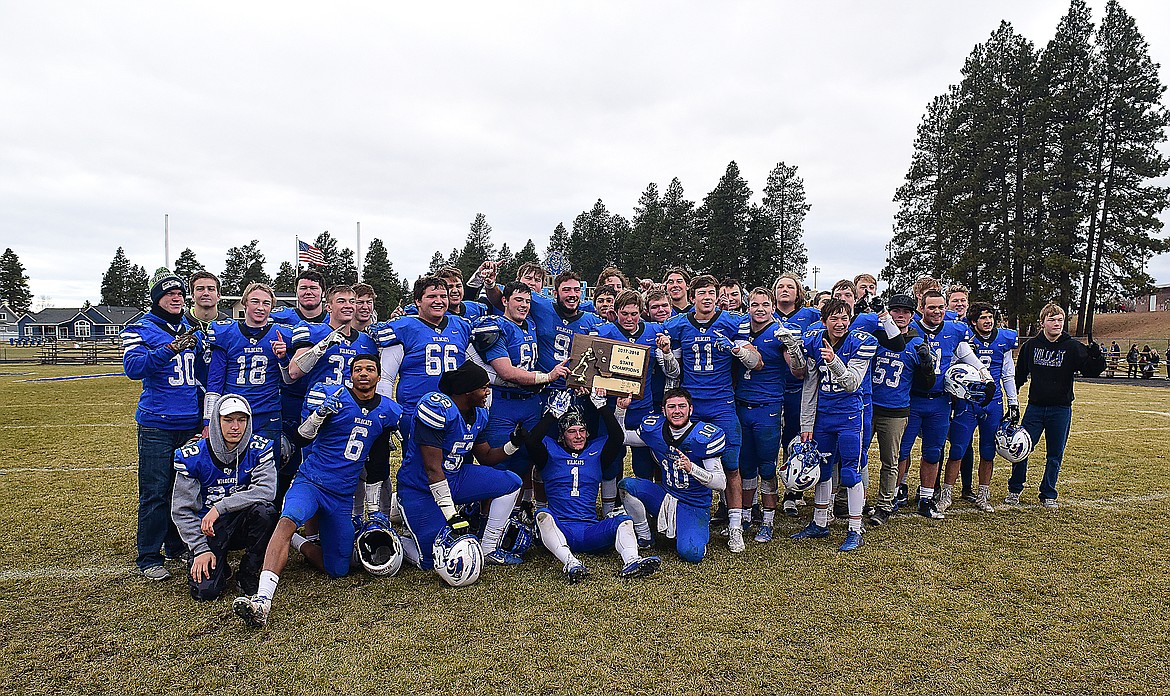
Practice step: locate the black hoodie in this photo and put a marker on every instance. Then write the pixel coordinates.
(1052, 366)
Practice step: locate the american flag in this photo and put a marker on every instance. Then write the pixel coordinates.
(310, 254)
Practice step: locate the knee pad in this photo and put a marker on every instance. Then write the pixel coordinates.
(850, 477)
(749, 484)
(769, 487)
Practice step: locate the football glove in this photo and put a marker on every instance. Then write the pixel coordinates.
(559, 403)
(335, 337)
(331, 405)
(723, 343)
(876, 305)
(182, 342)
(459, 524)
(923, 351)
(519, 436)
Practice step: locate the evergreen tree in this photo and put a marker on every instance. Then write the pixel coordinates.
(637, 253)
(785, 206)
(331, 252)
(593, 241)
(186, 265)
(478, 247)
(678, 242)
(527, 254)
(14, 288)
(453, 259)
(379, 274)
(557, 243)
(286, 278)
(137, 288)
(114, 281)
(244, 264)
(1131, 123)
(437, 262)
(725, 219)
(507, 261)
(346, 269)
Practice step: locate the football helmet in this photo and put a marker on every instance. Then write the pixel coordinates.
(485, 333)
(458, 560)
(517, 537)
(802, 470)
(1012, 442)
(963, 381)
(379, 548)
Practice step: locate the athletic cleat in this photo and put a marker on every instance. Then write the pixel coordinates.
(902, 497)
(502, 557)
(983, 502)
(812, 531)
(253, 610)
(1012, 499)
(735, 540)
(641, 567)
(968, 495)
(156, 573)
(790, 508)
(765, 534)
(1049, 503)
(617, 511)
(866, 510)
(927, 508)
(879, 517)
(645, 543)
(945, 498)
(575, 571)
(853, 541)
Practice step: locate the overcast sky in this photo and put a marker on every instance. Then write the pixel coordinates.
(266, 121)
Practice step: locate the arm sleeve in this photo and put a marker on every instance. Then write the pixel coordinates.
(849, 376)
(668, 362)
(892, 338)
(537, 452)
(1008, 377)
(186, 502)
(718, 479)
(614, 446)
(748, 355)
(391, 360)
(966, 354)
(808, 400)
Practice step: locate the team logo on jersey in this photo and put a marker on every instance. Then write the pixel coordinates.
(252, 340)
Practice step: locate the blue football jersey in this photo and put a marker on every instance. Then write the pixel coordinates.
(701, 441)
(645, 335)
(554, 333)
(291, 316)
(343, 443)
(439, 423)
(893, 373)
(242, 362)
(991, 351)
(333, 366)
(706, 370)
(170, 390)
(520, 345)
(427, 352)
(767, 384)
(219, 480)
(572, 480)
(942, 343)
(832, 399)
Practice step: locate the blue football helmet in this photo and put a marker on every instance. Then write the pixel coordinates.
(379, 548)
(485, 333)
(517, 537)
(802, 470)
(458, 560)
(964, 381)
(1012, 442)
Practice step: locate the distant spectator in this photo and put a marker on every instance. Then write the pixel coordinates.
(1115, 351)
(1132, 359)
(1168, 361)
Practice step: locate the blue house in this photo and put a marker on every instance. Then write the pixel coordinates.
(94, 323)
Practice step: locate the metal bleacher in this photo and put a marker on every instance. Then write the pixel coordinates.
(88, 353)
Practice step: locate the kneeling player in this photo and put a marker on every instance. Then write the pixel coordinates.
(435, 476)
(223, 497)
(344, 425)
(682, 502)
(571, 468)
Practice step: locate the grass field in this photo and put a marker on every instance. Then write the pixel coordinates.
(1020, 601)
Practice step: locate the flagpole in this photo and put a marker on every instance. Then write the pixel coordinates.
(297, 253)
(359, 251)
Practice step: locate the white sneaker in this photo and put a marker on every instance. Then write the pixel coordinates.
(1049, 503)
(156, 573)
(945, 498)
(735, 540)
(983, 501)
(1012, 499)
(253, 610)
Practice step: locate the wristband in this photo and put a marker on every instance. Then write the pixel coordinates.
(441, 491)
(509, 449)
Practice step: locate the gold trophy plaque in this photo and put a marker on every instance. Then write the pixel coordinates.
(617, 367)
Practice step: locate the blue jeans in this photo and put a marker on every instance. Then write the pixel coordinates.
(1054, 422)
(156, 481)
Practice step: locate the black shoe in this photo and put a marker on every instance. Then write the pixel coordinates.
(903, 496)
(968, 495)
(927, 508)
(879, 517)
(867, 510)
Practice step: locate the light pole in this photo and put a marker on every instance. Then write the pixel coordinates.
(815, 271)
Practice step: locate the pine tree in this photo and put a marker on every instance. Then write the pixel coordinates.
(437, 262)
(346, 270)
(14, 288)
(286, 278)
(478, 247)
(637, 253)
(137, 288)
(453, 258)
(527, 254)
(244, 264)
(379, 274)
(678, 242)
(593, 241)
(1131, 122)
(785, 205)
(115, 279)
(187, 264)
(725, 218)
(506, 260)
(332, 255)
(558, 243)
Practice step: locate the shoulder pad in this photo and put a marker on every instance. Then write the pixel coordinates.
(711, 438)
(433, 409)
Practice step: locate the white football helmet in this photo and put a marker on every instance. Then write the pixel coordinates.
(964, 381)
(379, 549)
(458, 560)
(802, 470)
(1012, 442)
